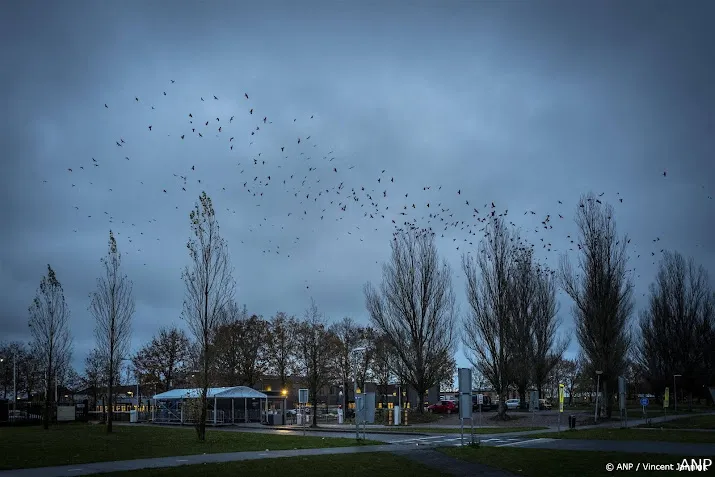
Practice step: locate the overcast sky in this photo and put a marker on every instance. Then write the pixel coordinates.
(521, 103)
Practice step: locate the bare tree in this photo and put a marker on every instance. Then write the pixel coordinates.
(489, 326)
(316, 347)
(28, 370)
(680, 314)
(51, 339)
(94, 374)
(209, 290)
(112, 306)
(348, 336)
(240, 347)
(282, 346)
(365, 359)
(228, 345)
(164, 357)
(12, 356)
(547, 349)
(382, 365)
(570, 369)
(602, 293)
(415, 310)
(522, 292)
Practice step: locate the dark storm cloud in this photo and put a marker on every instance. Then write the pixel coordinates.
(523, 104)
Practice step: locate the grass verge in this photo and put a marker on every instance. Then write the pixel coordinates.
(350, 465)
(632, 434)
(82, 443)
(558, 463)
(691, 422)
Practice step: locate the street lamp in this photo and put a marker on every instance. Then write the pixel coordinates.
(14, 381)
(675, 392)
(598, 386)
(357, 428)
(136, 375)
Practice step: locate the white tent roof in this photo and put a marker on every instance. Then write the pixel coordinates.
(235, 392)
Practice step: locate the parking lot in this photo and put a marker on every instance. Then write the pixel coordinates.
(518, 419)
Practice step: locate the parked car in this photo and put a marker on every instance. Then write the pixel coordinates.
(513, 403)
(487, 404)
(544, 405)
(443, 407)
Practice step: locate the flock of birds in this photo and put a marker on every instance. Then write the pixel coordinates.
(309, 181)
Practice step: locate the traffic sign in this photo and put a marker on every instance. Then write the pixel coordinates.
(303, 396)
(644, 401)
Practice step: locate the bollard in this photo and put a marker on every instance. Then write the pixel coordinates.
(405, 421)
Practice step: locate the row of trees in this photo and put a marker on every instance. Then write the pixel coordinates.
(509, 331)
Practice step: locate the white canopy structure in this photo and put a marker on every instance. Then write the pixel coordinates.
(169, 405)
(235, 392)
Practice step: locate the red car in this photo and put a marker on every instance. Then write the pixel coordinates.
(447, 407)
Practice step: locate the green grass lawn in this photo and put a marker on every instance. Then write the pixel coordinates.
(558, 463)
(24, 447)
(357, 465)
(467, 430)
(632, 434)
(691, 422)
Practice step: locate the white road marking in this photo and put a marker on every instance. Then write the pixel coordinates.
(531, 441)
(182, 460)
(73, 470)
(418, 439)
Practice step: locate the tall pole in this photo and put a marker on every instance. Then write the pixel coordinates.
(14, 383)
(357, 425)
(598, 386)
(675, 394)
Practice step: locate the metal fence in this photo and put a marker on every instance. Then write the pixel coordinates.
(22, 413)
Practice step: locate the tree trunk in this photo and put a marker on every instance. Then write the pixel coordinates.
(421, 405)
(110, 402)
(201, 428)
(314, 401)
(522, 397)
(48, 394)
(607, 400)
(501, 411)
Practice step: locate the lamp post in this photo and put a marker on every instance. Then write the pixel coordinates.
(136, 375)
(355, 388)
(14, 381)
(598, 386)
(675, 392)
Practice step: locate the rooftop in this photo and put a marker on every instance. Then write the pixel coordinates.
(236, 392)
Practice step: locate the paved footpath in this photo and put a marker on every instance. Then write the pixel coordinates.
(416, 447)
(425, 456)
(124, 465)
